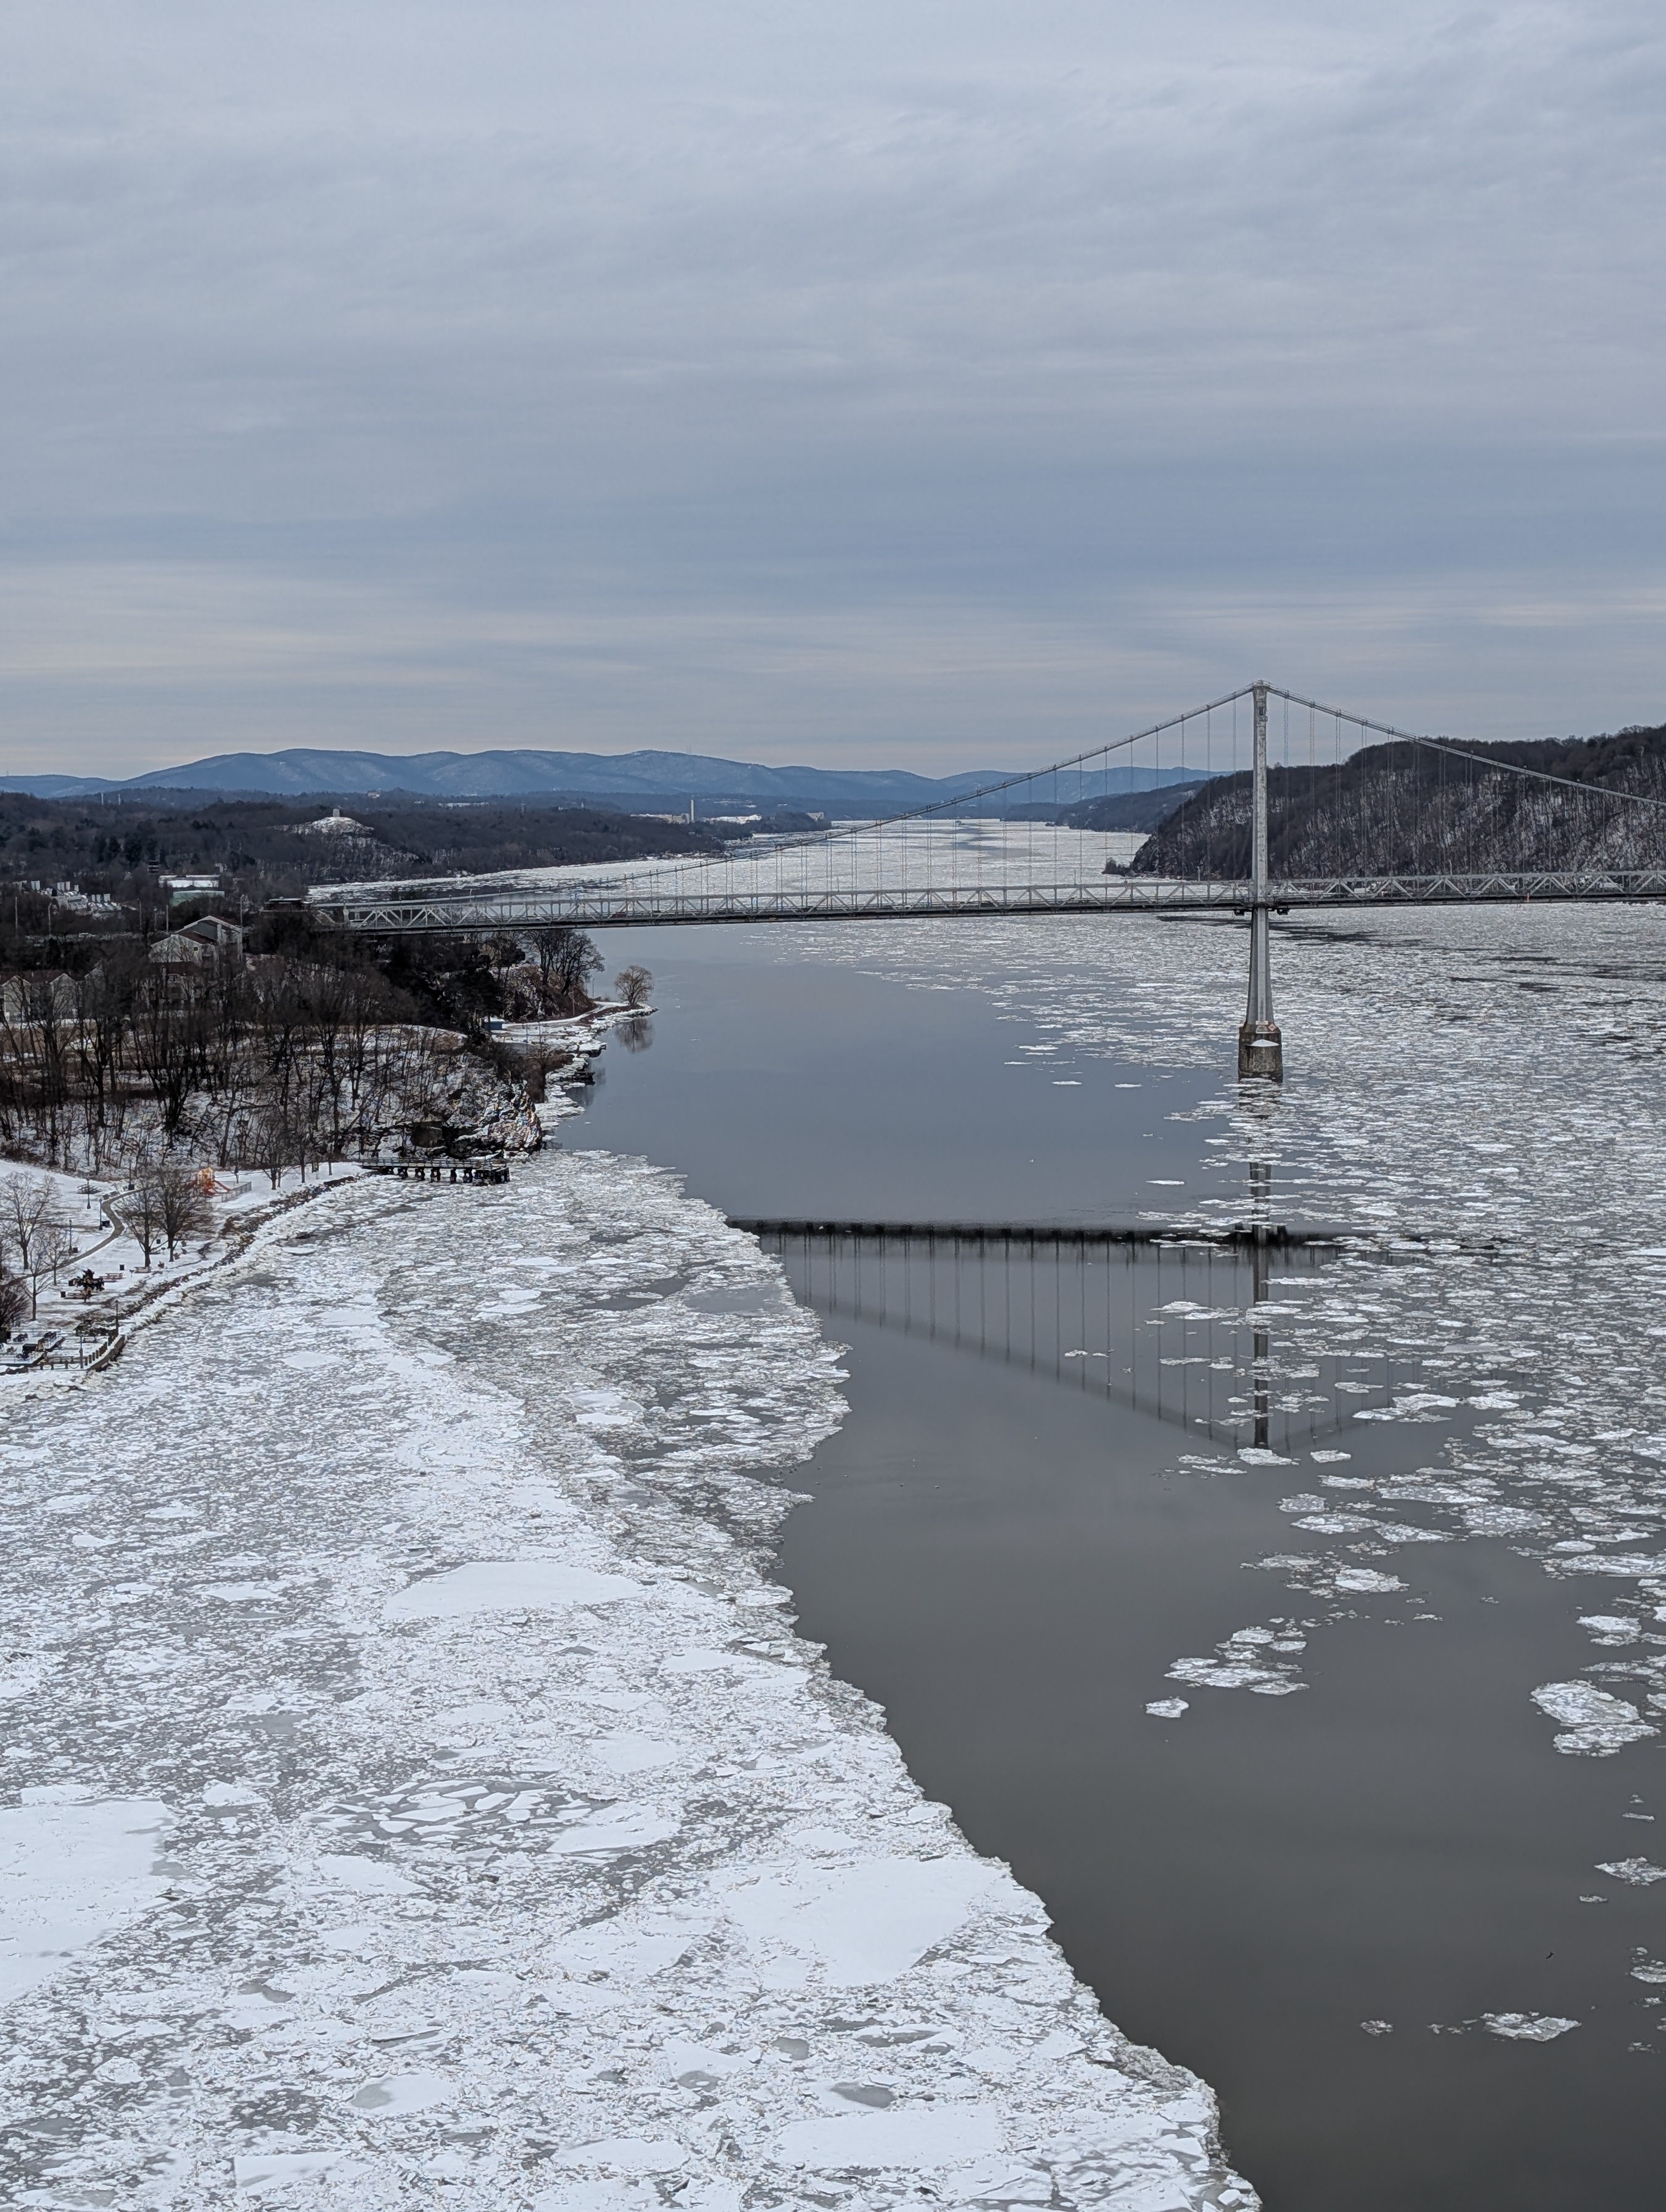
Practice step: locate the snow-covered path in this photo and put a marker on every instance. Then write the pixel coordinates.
(414, 1793)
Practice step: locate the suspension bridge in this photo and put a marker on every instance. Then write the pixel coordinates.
(1278, 804)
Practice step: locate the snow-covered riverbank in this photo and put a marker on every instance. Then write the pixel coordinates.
(415, 1793)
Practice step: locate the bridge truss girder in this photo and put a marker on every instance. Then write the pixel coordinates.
(616, 906)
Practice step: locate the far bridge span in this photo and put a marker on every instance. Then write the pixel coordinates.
(1435, 824)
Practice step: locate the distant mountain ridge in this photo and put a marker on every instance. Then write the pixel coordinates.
(641, 780)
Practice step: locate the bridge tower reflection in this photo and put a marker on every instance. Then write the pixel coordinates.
(1192, 1327)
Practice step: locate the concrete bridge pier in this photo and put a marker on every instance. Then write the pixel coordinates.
(1261, 1048)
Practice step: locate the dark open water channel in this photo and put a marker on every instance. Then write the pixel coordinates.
(1002, 1547)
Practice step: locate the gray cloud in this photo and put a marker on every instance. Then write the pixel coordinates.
(931, 383)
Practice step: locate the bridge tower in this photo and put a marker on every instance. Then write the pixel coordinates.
(1261, 1048)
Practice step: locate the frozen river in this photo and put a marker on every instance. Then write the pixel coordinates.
(1382, 1870)
(417, 1791)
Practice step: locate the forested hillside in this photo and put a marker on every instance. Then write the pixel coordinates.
(265, 849)
(1409, 809)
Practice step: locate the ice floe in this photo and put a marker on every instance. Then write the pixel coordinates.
(1593, 1721)
(1639, 1872)
(1527, 2026)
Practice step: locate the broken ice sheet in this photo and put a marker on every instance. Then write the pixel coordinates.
(1527, 2026)
(1225, 1673)
(392, 1934)
(1611, 1627)
(1595, 1723)
(1638, 1871)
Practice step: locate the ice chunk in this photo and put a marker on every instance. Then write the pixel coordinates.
(616, 1828)
(1638, 1871)
(626, 2154)
(506, 1586)
(395, 2094)
(1167, 1708)
(627, 1950)
(68, 1875)
(699, 2065)
(371, 1877)
(1233, 1674)
(1595, 1723)
(275, 2169)
(913, 2138)
(224, 1795)
(864, 1923)
(623, 1753)
(1366, 1580)
(1527, 2026)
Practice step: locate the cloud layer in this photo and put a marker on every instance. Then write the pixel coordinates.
(930, 386)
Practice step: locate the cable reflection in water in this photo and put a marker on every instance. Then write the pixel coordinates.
(1197, 1331)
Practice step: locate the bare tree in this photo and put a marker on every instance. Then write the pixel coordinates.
(635, 986)
(183, 1205)
(34, 1233)
(14, 1301)
(273, 1145)
(565, 957)
(57, 1247)
(140, 1212)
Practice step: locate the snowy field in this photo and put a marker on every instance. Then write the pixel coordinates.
(415, 1794)
(53, 1344)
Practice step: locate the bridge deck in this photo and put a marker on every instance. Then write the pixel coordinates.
(625, 904)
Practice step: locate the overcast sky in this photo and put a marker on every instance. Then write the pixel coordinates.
(926, 382)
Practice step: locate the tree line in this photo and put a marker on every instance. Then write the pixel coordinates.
(303, 1047)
